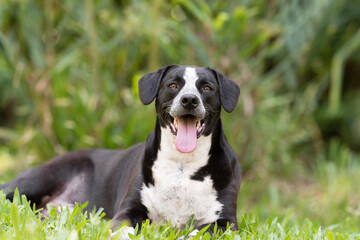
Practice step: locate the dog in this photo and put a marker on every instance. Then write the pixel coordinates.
(185, 169)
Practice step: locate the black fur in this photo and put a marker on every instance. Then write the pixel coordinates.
(229, 91)
(149, 85)
(113, 179)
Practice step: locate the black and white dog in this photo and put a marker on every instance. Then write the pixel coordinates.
(186, 168)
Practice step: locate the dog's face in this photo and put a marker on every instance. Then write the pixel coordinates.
(188, 100)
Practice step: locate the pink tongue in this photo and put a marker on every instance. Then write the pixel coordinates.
(186, 139)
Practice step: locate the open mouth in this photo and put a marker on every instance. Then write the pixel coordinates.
(189, 120)
(187, 130)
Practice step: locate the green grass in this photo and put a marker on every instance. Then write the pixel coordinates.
(19, 221)
(68, 74)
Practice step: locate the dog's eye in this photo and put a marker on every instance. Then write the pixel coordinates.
(173, 85)
(207, 88)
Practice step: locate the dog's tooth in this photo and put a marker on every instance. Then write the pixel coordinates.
(173, 127)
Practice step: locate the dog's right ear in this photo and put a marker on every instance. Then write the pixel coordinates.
(149, 85)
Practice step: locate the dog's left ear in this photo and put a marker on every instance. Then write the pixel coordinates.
(149, 85)
(229, 91)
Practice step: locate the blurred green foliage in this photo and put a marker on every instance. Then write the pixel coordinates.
(69, 71)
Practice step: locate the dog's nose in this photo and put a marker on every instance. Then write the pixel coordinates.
(189, 101)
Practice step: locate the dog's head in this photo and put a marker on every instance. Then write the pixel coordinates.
(188, 100)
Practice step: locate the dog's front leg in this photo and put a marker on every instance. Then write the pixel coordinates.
(123, 233)
(129, 218)
(190, 235)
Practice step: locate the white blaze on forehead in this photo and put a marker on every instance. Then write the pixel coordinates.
(190, 76)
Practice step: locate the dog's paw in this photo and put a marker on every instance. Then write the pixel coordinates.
(123, 233)
(190, 235)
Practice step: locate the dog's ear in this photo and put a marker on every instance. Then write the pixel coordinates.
(149, 85)
(229, 91)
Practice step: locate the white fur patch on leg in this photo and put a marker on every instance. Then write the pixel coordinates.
(190, 235)
(123, 233)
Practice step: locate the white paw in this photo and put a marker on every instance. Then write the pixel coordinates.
(123, 233)
(190, 235)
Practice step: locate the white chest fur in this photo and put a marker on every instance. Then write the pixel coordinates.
(175, 196)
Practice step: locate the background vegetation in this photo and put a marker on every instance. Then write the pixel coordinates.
(68, 81)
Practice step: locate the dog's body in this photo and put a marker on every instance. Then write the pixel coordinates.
(186, 168)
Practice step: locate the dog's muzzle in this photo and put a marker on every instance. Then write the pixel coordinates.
(187, 122)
